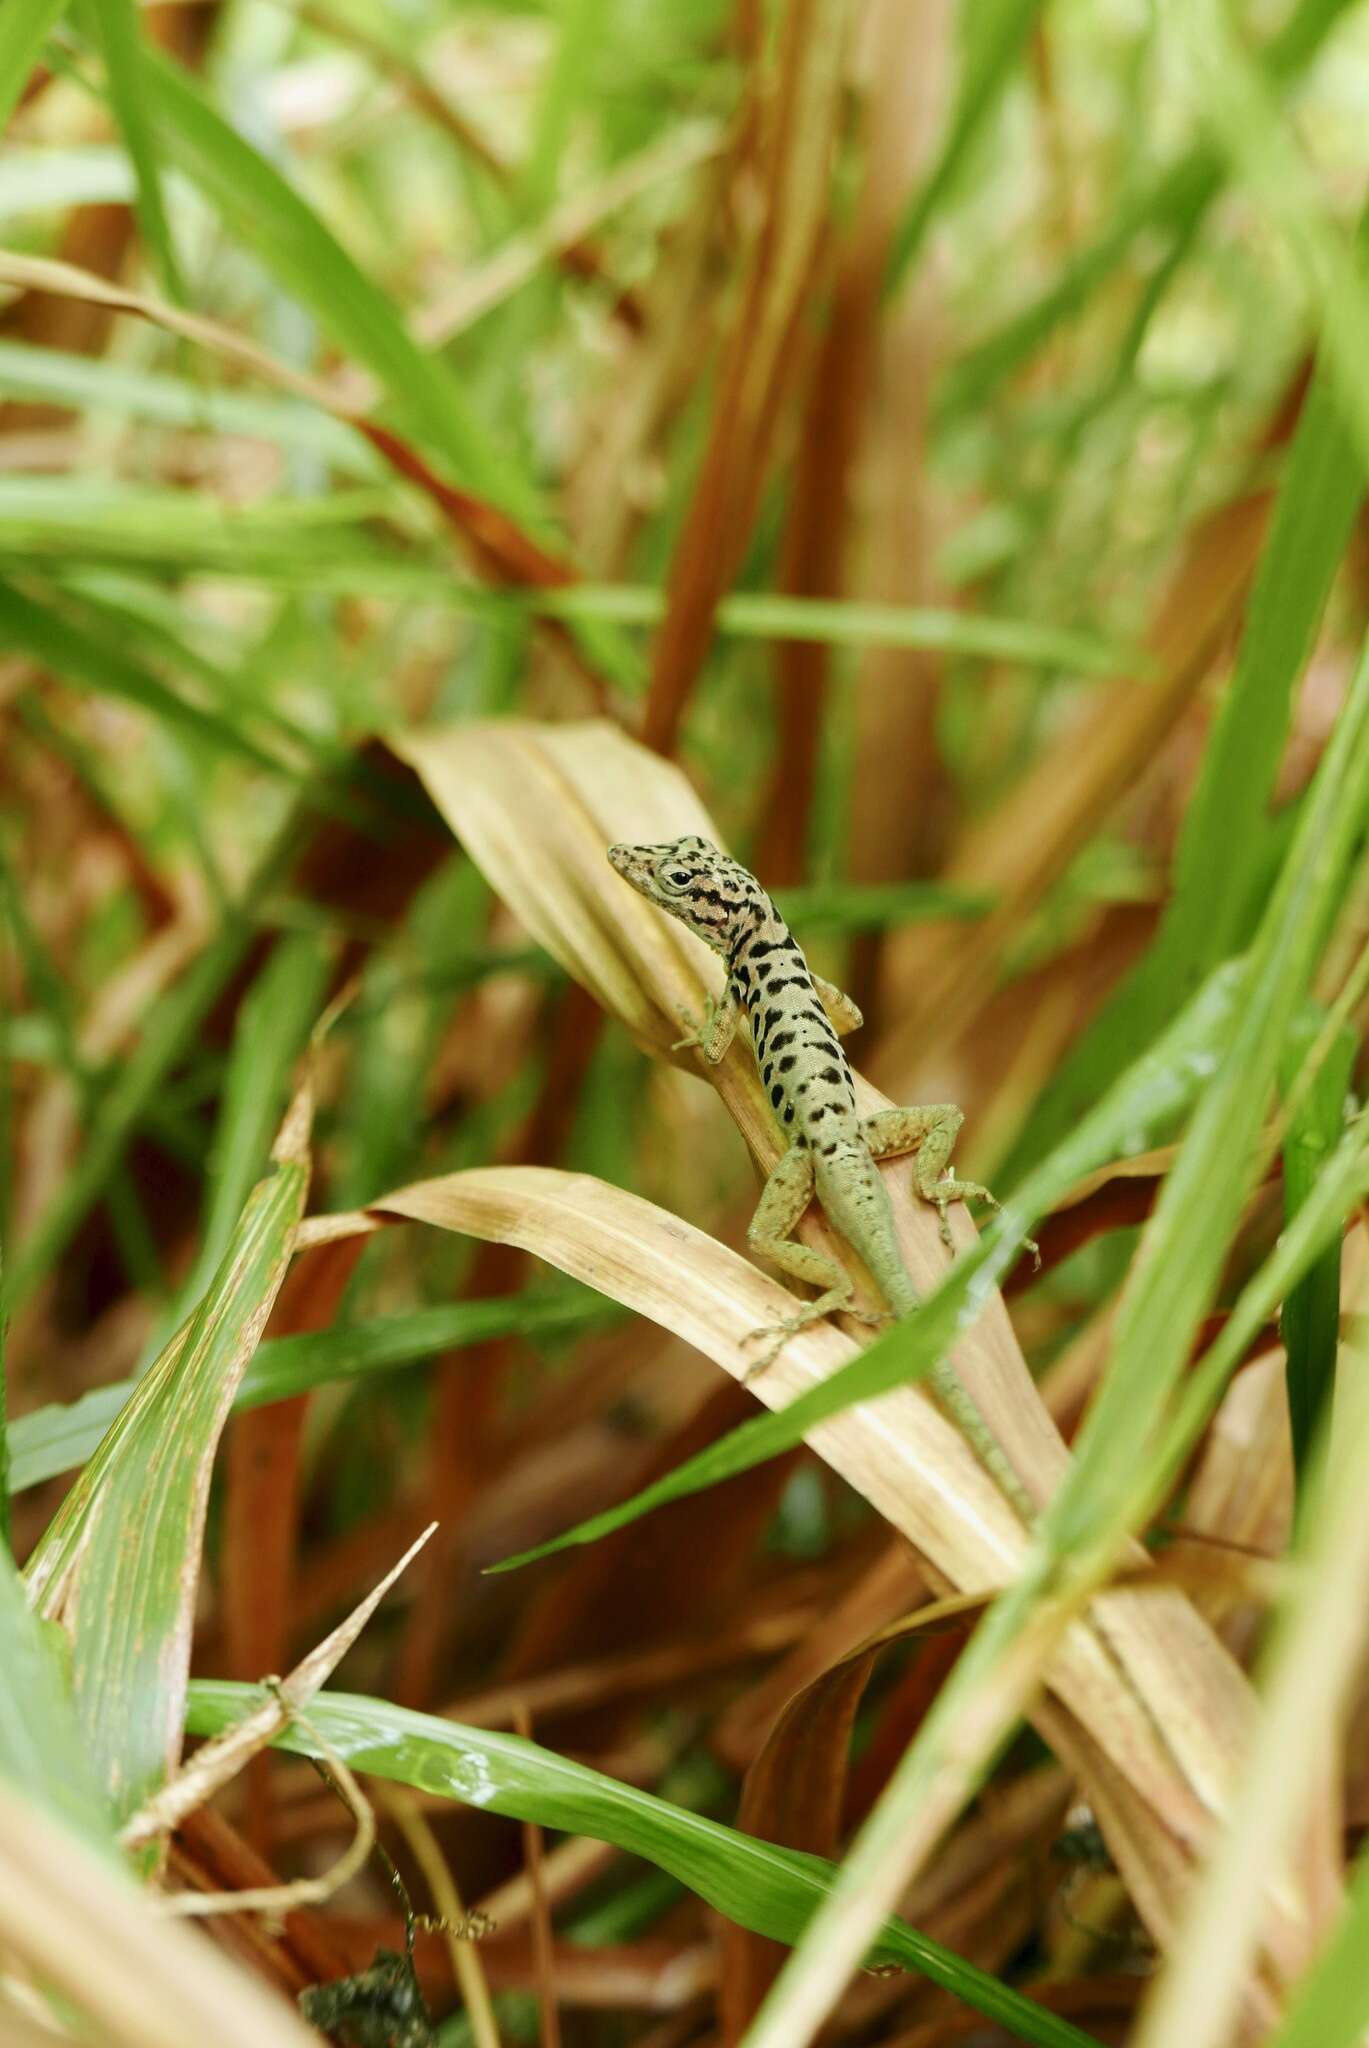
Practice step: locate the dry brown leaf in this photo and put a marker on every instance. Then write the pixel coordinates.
(792, 1794)
(1146, 1683)
(798, 114)
(1241, 1494)
(885, 1589)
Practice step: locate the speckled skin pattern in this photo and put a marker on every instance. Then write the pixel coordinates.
(795, 1018)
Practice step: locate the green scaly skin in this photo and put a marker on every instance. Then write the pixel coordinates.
(795, 1019)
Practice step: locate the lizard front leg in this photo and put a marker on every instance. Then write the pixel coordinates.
(717, 1031)
(770, 1234)
(842, 1014)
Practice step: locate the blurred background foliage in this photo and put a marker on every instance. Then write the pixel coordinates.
(881, 410)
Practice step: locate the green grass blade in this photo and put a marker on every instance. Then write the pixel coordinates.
(564, 86)
(6, 1449)
(1308, 1681)
(274, 1021)
(266, 215)
(842, 623)
(23, 31)
(98, 519)
(1310, 1323)
(772, 1891)
(998, 31)
(1113, 1474)
(118, 1111)
(1235, 99)
(1315, 1231)
(95, 384)
(45, 181)
(1331, 2008)
(874, 906)
(40, 1748)
(1174, 1278)
(127, 1559)
(48, 635)
(1145, 1100)
(1221, 858)
(1169, 206)
(121, 45)
(64, 1435)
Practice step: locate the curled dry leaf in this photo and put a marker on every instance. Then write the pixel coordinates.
(1142, 1693)
(794, 1793)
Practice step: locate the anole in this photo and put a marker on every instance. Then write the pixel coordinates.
(796, 1020)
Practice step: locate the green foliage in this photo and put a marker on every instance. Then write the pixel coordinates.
(41, 1750)
(124, 1549)
(1157, 1088)
(773, 1891)
(515, 241)
(58, 1439)
(1310, 1323)
(1220, 857)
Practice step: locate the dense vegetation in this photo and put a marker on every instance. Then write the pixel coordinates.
(923, 448)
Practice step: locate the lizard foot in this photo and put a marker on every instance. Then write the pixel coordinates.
(696, 1034)
(780, 1333)
(944, 1192)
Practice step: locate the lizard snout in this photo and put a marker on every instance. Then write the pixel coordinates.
(630, 862)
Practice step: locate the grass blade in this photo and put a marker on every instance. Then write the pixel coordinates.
(1311, 1672)
(75, 1924)
(998, 32)
(93, 383)
(770, 1890)
(121, 44)
(48, 635)
(40, 1747)
(1173, 1281)
(1310, 1322)
(874, 906)
(1331, 2009)
(260, 208)
(126, 1100)
(23, 32)
(122, 1560)
(60, 1437)
(842, 623)
(1221, 855)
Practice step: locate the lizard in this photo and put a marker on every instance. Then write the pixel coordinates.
(796, 1023)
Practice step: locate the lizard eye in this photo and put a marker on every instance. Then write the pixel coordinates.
(678, 878)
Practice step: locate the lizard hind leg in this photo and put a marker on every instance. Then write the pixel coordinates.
(929, 1132)
(770, 1234)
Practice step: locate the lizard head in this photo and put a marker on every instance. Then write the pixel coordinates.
(714, 896)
